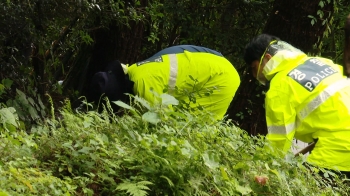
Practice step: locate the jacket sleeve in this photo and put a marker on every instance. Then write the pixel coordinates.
(280, 118)
(150, 79)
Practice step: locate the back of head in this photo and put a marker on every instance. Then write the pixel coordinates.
(256, 48)
(104, 84)
(111, 83)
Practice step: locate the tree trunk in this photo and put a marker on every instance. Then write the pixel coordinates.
(288, 20)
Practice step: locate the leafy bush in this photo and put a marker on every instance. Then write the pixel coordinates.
(32, 181)
(151, 150)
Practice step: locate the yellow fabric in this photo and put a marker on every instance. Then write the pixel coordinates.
(153, 75)
(208, 69)
(286, 101)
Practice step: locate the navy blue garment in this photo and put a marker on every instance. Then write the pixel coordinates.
(180, 49)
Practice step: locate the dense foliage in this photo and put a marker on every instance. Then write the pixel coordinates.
(45, 41)
(49, 147)
(154, 150)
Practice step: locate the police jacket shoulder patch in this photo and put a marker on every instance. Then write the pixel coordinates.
(150, 60)
(311, 73)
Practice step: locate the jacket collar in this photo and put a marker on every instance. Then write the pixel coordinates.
(282, 60)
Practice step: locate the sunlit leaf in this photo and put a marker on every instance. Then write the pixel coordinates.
(7, 116)
(223, 173)
(85, 150)
(169, 100)
(143, 102)
(244, 190)
(151, 117)
(210, 161)
(123, 105)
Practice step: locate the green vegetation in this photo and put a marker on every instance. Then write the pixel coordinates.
(153, 150)
(52, 144)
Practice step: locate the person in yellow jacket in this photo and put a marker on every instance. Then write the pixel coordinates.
(308, 99)
(196, 75)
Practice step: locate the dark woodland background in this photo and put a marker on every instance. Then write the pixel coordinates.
(44, 41)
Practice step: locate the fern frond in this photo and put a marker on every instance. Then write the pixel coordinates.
(135, 189)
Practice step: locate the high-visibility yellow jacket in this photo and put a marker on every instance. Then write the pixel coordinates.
(183, 72)
(309, 99)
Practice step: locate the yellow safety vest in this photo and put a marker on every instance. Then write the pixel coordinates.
(178, 73)
(309, 99)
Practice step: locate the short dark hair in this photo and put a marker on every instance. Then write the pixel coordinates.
(256, 48)
(112, 83)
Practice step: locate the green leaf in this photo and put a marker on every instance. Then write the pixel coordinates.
(223, 173)
(33, 113)
(321, 4)
(273, 171)
(151, 117)
(123, 105)
(242, 189)
(86, 124)
(14, 141)
(70, 169)
(22, 97)
(2, 89)
(143, 102)
(171, 184)
(7, 115)
(11, 128)
(135, 189)
(7, 83)
(31, 101)
(312, 22)
(68, 145)
(187, 149)
(210, 161)
(169, 100)
(41, 103)
(85, 150)
(320, 13)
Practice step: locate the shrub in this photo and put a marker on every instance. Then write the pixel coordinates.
(152, 150)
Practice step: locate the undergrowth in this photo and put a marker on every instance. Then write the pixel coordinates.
(150, 150)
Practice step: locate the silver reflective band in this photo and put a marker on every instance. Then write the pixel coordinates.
(323, 96)
(125, 68)
(173, 72)
(282, 130)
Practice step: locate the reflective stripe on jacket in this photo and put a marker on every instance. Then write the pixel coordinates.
(309, 99)
(210, 71)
